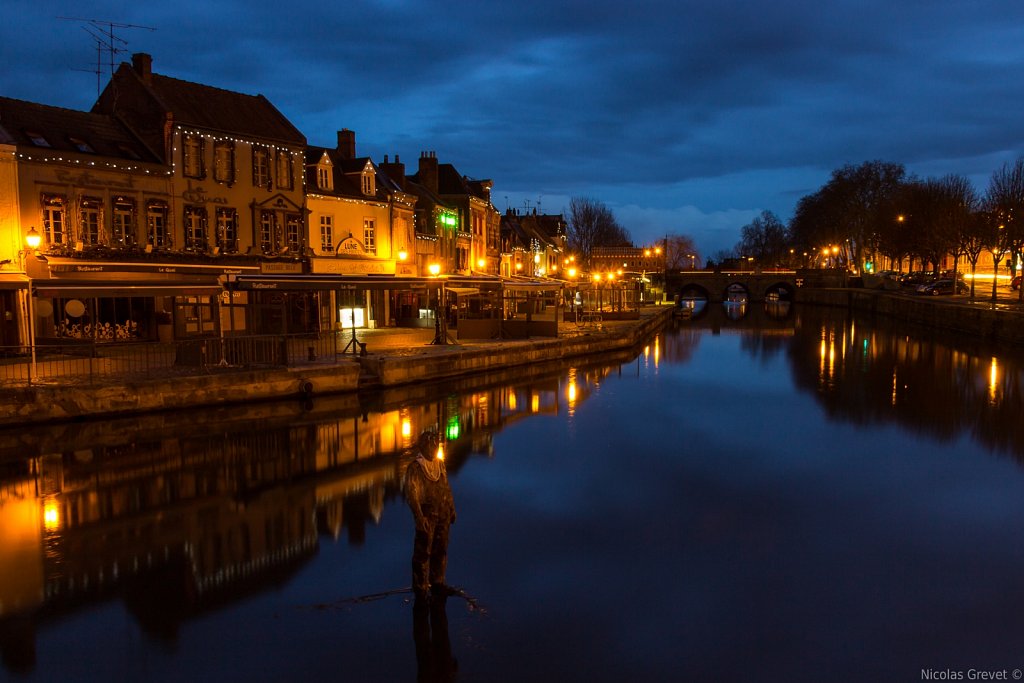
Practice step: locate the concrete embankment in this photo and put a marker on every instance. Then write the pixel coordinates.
(1000, 323)
(51, 403)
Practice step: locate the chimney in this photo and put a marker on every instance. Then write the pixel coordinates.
(428, 170)
(394, 170)
(346, 144)
(143, 65)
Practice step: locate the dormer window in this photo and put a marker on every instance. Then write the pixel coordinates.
(81, 145)
(324, 177)
(369, 182)
(37, 139)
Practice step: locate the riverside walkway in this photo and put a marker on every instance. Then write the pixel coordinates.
(392, 357)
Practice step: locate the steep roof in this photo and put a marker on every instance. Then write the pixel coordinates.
(38, 125)
(201, 106)
(213, 108)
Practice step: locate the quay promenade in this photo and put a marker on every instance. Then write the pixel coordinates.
(393, 357)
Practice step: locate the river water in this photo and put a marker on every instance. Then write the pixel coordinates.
(811, 498)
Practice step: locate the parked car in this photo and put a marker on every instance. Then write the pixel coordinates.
(916, 279)
(1015, 282)
(944, 287)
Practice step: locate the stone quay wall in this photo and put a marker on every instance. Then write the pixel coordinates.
(997, 323)
(54, 403)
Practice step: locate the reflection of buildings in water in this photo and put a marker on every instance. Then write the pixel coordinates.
(176, 522)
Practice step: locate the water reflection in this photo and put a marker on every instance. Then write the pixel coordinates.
(877, 372)
(178, 516)
(177, 513)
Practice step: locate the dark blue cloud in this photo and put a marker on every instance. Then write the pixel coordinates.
(682, 116)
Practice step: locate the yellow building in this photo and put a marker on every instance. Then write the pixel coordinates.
(361, 224)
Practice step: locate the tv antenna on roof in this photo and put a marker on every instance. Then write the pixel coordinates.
(102, 33)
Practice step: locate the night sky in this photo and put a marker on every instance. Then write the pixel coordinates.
(682, 117)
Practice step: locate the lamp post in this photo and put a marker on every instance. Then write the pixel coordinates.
(32, 241)
(440, 324)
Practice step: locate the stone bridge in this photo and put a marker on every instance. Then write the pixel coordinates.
(755, 285)
(758, 285)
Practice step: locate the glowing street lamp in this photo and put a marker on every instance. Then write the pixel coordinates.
(434, 269)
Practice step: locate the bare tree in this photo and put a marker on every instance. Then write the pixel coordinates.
(592, 224)
(681, 252)
(1005, 198)
(765, 238)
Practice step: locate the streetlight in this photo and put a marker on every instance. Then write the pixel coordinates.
(32, 240)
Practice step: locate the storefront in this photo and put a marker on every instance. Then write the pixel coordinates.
(124, 302)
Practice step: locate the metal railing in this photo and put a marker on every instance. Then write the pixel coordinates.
(89, 362)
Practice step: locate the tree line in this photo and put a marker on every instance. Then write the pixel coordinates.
(875, 211)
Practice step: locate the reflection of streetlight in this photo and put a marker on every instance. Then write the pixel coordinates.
(32, 240)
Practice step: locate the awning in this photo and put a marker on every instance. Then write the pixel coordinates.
(462, 291)
(13, 281)
(327, 282)
(521, 286)
(81, 288)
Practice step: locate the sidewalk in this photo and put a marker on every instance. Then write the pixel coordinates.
(409, 341)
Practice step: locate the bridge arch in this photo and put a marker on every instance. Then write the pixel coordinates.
(779, 291)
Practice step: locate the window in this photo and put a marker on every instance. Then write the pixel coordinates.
(124, 222)
(224, 162)
(54, 220)
(81, 145)
(227, 230)
(267, 232)
(327, 233)
(156, 224)
(37, 139)
(195, 228)
(284, 169)
(369, 186)
(92, 219)
(369, 236)
(292, 225)
(324, 181)
(192, 156)
(261, 167)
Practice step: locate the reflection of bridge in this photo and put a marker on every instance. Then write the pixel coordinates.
(720, 286)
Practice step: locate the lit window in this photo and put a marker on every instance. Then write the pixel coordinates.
(369, 187)
(327, 233)
(324, 178)
(369, 236)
